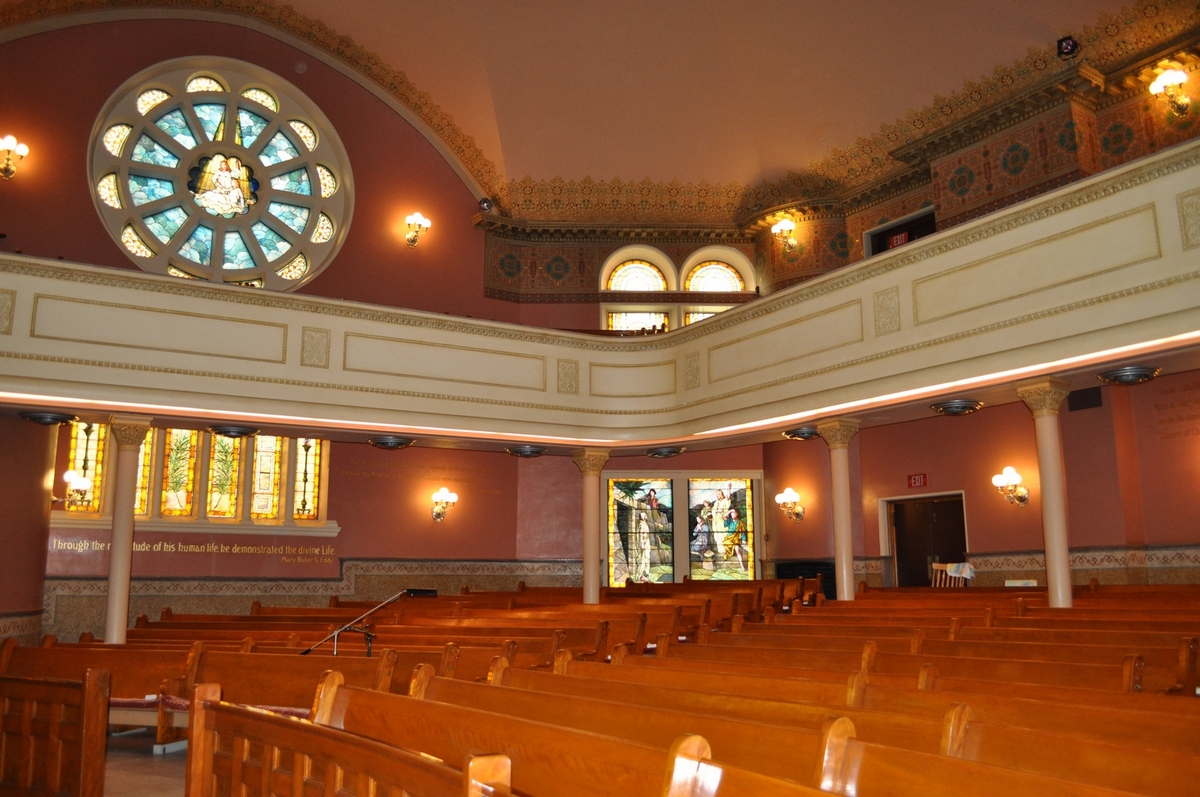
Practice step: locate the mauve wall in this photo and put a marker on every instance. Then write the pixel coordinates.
(25, 507)
(1167, 419)
(57, 82)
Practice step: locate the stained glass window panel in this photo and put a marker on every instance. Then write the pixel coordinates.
(108, 191)
(329, 183)
(306, 133)
(85, 467)
(174, 272)
(691, 318)
(224, 459)
(715, 277)
(141, 490)
(179, 472)
(212, 119)
(165, 224)
(272, 243)
(293, 216)
(278, 149)
(198, 247)
(147, 150)
(250, 127)
(294, 182)
(203, 83)
(150, 99)
(176, 126)
(324, 230)
(145, 190)
(641, 535)
(721, 529)
(296, 268)
(134, 243)
(637, 276)
(629, 322)
(254, 283)
(262, 98)
(264, 498)
(308, 470)
(114, 138)
(237, 256)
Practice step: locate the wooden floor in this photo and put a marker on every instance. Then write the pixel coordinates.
(134, 771)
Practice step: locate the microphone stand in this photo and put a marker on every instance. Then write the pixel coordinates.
(354, 627)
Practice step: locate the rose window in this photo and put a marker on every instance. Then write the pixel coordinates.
(214, 169)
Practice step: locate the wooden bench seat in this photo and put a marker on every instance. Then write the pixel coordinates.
(53, 734)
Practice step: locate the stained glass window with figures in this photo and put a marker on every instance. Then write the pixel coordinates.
(721, 529)
(308, 475)
(641, 535)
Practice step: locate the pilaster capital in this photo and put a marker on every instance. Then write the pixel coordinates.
(1043, 396)
(129, 430)
(590, 461)
(838, 432)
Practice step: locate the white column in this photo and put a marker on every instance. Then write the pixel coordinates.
(128, 431)
(590, 462)
(837, 434)
(1043, 398)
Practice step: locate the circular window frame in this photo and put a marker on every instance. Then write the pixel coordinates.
(237, 76)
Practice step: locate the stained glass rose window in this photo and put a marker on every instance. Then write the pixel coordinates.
(215, 169)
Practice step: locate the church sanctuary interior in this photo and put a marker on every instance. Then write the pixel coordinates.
(541, 398)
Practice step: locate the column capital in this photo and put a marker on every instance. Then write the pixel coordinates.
(129, 430)
(838, 431)
(1043, 396)
(590, 461)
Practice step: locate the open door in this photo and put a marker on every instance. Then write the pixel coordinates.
(926, 530)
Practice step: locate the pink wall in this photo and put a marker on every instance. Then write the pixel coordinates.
(803, 466)
(549, 509)
(25, 507)
(1093, 484)
(1167, 418)
(51, 103)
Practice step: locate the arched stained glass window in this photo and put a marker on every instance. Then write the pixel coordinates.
(214, 169)
(637, 275)
(714, 277)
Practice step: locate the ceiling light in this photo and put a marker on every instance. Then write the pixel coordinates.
(1129, 375)
(803, 433)
(234, 432)
(956, 407)
(526, 452)
(47, 418)
(665, 452)
(1067, 47)
(390, 442)
(485, 204)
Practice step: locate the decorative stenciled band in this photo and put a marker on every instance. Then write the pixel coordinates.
(568, 570)
(1092, 559)
(20, 625)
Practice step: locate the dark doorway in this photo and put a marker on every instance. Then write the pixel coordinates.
(927, 530)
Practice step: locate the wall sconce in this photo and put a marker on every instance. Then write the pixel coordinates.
(13, 153)
(1167, 87)
(789, 502)
(78, 486)
(1008, 482)
(417, 224)
(783, 230)
(443, 499)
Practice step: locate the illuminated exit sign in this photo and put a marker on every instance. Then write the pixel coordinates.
(917, 480)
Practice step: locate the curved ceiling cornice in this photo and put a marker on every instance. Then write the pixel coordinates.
(882, 164)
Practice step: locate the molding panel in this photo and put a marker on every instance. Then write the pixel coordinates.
(442, 362)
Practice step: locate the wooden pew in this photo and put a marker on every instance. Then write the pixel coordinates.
(136, 676)
(235, 750)
(54, 735)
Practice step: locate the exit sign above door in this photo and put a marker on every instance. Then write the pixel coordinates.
(917, 480)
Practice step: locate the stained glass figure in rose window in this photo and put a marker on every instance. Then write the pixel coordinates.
(223, 186)
(721, 529)
(641, 533)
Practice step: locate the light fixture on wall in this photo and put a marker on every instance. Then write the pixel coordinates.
(13, 152)
(1008, 482)
(1167, 87)
(443, 499)
(78, 486)
(417, 224)
(789, 502)
(47, 418)
(783, 230)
